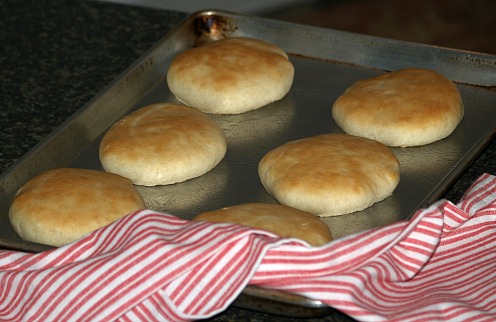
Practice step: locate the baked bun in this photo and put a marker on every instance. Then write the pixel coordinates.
(284, 221)
(408, 107)
(62, 205)
(330, 174)
(163, 144)
(230, 76)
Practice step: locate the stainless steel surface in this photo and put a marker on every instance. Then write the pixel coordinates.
(326, 63)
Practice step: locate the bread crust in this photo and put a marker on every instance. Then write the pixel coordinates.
(284, 221)
(62, 205)
(230, 76)
(330, 174)
(162, 144)
(407, 107)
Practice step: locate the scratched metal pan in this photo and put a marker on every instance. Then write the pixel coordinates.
(326, 63)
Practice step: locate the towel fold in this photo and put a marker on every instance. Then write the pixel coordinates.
(149, 266)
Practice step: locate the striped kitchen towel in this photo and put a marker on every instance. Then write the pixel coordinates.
(438, 266)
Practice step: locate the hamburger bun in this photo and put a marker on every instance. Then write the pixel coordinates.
(284, 221)
(330, 174)
(62, 205)
(230, 76)
(407, 107)
(162, 144)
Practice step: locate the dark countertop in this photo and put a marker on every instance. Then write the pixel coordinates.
(57, 55)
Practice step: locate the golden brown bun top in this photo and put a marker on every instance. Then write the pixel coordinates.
(234, 56)
(407, 107)
(230, 76)
(161, 144)
(330, 174)
(61, 205)
(281, 220)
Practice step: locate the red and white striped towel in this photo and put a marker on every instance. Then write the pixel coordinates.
(439, 266)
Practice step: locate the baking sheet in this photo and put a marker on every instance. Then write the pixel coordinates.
(326, 63)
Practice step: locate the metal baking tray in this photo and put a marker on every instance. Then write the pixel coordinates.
(326, 63)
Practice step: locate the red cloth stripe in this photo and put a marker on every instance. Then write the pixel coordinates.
(437, 266)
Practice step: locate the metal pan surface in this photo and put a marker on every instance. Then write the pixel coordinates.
(326, 63)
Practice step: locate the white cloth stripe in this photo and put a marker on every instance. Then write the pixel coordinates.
(438, 266)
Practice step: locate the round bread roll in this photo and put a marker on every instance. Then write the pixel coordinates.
(284, 221)
(163, 144)
(408, 107)
(230, 76)
(330, 174)
(62, 205)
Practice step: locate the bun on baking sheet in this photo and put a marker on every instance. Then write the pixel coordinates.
(407, 107)
(281, 220)
(330, 174)
(230, 76)
(162, 144)
(62, 205)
